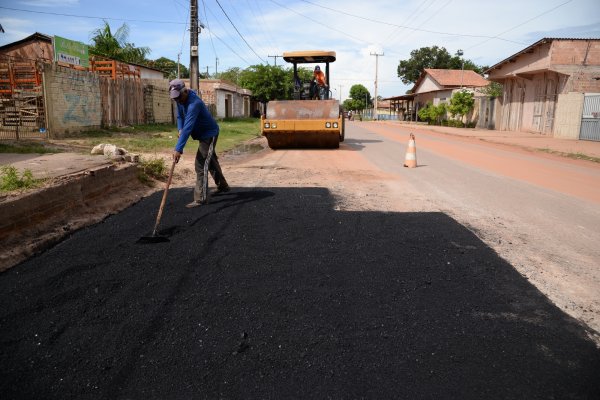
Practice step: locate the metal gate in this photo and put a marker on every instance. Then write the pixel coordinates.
(22, 113)
(590, 120)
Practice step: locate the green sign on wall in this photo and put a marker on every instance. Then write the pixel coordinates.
(71, 52)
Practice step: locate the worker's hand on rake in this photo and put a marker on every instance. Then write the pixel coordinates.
(176, 156)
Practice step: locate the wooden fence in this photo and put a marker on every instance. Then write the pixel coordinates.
(22, 111)
(122, 102)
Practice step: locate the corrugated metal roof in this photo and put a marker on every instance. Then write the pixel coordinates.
(35, 36)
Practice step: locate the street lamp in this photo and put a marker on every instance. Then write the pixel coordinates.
(459, 53)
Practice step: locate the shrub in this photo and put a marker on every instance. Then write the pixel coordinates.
(461, 103)
(433, 114)
(151, 169)
(10, 180)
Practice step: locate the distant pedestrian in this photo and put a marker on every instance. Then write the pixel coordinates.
(194, 119)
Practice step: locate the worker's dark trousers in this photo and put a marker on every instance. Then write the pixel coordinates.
(207, 160)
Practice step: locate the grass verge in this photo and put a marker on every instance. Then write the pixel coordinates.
(161, 137)
(25, 147)
(575, 156)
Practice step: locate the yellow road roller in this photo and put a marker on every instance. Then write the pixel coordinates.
(313, 119)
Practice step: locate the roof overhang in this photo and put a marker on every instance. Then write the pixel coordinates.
(404, 97)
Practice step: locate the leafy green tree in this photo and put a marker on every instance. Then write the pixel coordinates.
(351, 104)
(107, 44)
(432, 57)
(494, 89)
(267, 82)
(361, 97)
(230, 75)
(461, 103)
(169, 67)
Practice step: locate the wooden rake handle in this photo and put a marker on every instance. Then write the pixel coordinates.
(164, 199)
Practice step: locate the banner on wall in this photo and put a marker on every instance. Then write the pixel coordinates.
(71, 52)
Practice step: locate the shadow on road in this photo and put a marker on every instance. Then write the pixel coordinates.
(270, 293)
(356, 144)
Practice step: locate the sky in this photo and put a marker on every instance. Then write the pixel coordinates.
(241, 33)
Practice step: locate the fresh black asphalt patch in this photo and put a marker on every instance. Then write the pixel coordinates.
(270, 293)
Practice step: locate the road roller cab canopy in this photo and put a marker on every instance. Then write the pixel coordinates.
(310, 57)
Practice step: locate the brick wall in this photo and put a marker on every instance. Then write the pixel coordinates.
(157, 102)
(567, 117)
(73, 101)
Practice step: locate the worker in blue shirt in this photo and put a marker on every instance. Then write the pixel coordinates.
(194, 119)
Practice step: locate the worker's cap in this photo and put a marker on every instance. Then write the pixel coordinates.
(317, 68)
(175, 88)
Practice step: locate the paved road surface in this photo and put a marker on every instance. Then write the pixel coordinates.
(270, 293)
(540, 213)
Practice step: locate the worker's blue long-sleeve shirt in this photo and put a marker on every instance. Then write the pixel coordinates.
(194, 119)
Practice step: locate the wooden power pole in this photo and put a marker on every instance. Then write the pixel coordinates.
(194, 71)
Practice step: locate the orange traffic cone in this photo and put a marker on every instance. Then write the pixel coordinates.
(411, 153)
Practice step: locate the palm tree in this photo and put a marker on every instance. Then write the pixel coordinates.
(115, 46)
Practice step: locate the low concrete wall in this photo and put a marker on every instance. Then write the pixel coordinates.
(73, 101)
(41, 218)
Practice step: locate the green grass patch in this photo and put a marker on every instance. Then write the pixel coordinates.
(27, 148)
(10, 179)
(235, 131)
(575, 156)
(163, 137)
(149, 169)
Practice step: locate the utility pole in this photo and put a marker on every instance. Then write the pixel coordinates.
(216, 65)
(462, 66)
(194, 70)
(376, 68)
(178, 70)
(275, 57)
(207, 72)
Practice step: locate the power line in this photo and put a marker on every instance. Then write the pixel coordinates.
(229, 47)
(321, 24)
(275, 57)
(521, 24)
(224, 28)
(431, 16)
(263, 25)
(91, 17)
(208, 26)
(405, 26)
(234, 27)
